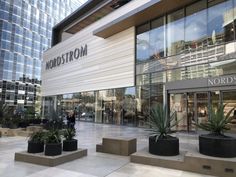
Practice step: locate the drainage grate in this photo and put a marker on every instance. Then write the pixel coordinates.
(229, 170)
(206, 167)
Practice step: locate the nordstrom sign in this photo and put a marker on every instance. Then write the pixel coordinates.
(223, 80)
(67, 57)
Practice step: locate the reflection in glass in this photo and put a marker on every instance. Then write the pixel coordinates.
(151, 66)
(118, 106)
(175, 32)
(143, 104)
(196, 25)
(156, 94)
(129, 107)
(142, 79)
(174, 75)
(142, 39)
(157, 39)
(158, 77)
(220, 22)
(222, 67)
(82, 104)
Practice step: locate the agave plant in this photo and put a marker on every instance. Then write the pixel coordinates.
(218, 121)
(69, 133)
(160, 123)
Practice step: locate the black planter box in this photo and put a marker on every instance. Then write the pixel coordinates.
(217, 146)
(53, 149)
(23, 124)
(164, 147)
(35, 147)
(70, 145)
(36, 121)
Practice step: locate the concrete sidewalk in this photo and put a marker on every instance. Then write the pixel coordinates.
(95, 164)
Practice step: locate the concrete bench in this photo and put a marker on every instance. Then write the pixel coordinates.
(4, 131)
(34, 128)
(15, 132)
(118, 145)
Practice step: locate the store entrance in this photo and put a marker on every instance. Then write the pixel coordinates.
(190, 108)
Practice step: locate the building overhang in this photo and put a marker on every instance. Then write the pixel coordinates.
(148, 11)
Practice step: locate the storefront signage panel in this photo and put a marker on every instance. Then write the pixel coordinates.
(67, 57)
(222, 80)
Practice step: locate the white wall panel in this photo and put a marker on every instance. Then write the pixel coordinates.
(109, 63)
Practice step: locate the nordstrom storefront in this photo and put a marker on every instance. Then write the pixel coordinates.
(113, 68)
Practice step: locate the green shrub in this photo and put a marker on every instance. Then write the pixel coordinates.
(69, 133)
(37, 137)
(52, 136)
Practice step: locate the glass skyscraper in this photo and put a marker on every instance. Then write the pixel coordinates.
(25, 32)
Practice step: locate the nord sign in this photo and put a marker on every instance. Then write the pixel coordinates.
(67, 57)
(223, 80)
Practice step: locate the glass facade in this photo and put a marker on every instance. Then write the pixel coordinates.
(192, 42)
(113, 106)
(25, 32)
(195, 41)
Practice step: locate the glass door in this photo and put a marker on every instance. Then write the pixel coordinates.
(191, 111)
(202, 107)
(178, 104)
(229, 98)
(108, 108)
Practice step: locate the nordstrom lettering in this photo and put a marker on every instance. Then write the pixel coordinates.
(224, 80)
(67, 57)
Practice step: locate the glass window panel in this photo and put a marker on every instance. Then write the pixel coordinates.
(142, 46)
(196, 25)
(157, 39)
(197, 71)
(176, 61)
(142, 79)
(156, 94)
(175, 32)
(222, 67)
(220, 21)
(158, 77)
(174, 75)
(229, 100)
(129, 106)
(151, 66)
(143, 104)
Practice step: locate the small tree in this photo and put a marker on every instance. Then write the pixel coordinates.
(29, 113)
(6, 113)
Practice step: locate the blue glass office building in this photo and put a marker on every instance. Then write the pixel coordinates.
(25, 32)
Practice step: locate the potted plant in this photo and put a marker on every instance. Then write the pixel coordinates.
(69, 144)
(36, 142)
(160, 142)
(53, 144)
(216, 143)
